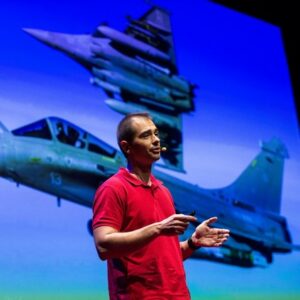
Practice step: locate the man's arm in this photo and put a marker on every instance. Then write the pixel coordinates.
(110, 243)
(204, 236)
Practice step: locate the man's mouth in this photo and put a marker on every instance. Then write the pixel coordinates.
(156, 150)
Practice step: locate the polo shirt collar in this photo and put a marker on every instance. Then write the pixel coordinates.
(137, 182)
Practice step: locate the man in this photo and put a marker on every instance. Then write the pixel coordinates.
(135, 225)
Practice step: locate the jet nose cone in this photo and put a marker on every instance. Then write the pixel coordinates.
(75, 45)
(41, 35)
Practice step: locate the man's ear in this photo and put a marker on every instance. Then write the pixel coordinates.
(125, 146)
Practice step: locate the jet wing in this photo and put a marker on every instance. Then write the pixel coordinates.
(280, 246)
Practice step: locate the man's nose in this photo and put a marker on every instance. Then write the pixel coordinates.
(155, 138)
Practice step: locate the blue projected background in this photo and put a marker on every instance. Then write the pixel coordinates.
(244, 96)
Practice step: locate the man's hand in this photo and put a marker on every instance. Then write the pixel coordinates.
(175, 224)
(206, 236)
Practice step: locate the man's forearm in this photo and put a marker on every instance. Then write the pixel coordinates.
(117, 244)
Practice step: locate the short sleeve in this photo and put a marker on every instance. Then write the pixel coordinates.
(108, 208)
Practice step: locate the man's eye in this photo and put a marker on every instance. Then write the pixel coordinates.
(149, 134)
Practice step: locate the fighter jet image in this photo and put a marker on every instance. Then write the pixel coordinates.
(137, 70)
(53, 151)
(57, 157)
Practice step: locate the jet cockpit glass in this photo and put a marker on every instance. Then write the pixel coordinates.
(72, 135)
(69, 134)
(100, 147)
(39, 129)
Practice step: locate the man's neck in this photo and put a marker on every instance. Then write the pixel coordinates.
(141, 172)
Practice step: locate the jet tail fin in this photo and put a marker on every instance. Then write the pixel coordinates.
(154, 28)
(260, 184)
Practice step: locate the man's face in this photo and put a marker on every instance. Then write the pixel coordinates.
(145, 147)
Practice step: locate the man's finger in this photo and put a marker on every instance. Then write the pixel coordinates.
(180, 223)
(185, 218)
(219, 231)
(223, 231)
(211, 220)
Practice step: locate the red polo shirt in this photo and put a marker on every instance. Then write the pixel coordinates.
(154, 271)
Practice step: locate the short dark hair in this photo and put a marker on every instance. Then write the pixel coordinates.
(125, 132)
